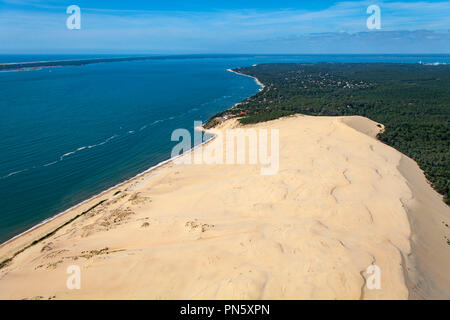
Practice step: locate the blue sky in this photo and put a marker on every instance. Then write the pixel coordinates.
(200, 26)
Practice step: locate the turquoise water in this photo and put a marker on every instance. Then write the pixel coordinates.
(67, 133)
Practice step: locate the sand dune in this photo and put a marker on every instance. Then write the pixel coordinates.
(340, 202)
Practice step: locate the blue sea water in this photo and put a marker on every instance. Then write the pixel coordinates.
(67, 133)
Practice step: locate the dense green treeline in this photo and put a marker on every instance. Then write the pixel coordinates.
(411, 100)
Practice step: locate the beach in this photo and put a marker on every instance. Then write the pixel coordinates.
(341, 202)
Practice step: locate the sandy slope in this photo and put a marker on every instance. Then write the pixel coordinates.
(336, 206)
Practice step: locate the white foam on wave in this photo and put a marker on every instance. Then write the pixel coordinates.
(67, 154)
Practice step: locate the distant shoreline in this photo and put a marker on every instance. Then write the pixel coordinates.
(36, 65)
(81, 203)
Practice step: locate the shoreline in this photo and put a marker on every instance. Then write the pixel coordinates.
(165, 218)
(422, 270)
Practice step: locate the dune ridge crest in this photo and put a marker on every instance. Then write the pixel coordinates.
(336, 207)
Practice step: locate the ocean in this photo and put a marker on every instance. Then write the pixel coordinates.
(68, 133)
